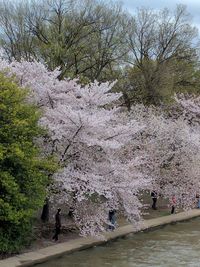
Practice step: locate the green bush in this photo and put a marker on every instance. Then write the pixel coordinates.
(23, 171)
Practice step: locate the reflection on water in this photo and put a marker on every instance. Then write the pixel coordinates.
(171, 246)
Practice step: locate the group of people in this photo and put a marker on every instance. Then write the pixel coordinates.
(154, 196)
(173, 201)
(112, 213)
(111, 218)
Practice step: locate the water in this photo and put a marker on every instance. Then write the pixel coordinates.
(171, 246)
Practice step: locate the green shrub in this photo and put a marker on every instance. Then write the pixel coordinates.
(23, 171)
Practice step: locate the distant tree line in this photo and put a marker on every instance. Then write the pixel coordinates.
(152, 54)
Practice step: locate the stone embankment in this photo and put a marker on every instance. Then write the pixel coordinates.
(48, 253)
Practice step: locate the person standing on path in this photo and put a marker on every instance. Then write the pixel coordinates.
(112, 219)
(154, 196)
(57, 225)
(173, 204)
(198, 201)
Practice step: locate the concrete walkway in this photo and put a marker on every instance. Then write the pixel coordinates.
(44, 254)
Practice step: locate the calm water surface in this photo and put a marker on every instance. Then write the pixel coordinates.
(171, 246)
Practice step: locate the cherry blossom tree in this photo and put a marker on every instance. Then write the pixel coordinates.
(190, 104)
(173, 149)
(91, 138)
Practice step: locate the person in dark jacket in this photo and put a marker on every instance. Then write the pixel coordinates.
(57, 225)
(154, 196)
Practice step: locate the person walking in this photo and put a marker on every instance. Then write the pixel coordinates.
(154, 196)
(57, 225)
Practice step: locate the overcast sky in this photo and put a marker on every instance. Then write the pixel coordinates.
(193, 6)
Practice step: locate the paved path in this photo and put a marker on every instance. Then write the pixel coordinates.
(44, 254)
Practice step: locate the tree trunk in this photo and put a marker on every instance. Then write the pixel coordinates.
(45, 211)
